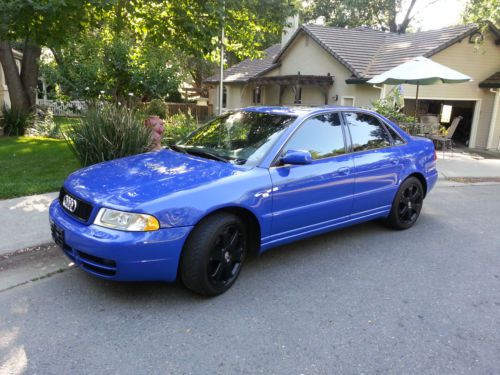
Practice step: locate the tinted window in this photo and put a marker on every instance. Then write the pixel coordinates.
(367, 132)
(395, 136)
(321, 135)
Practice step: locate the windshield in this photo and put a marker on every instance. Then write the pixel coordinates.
(241, 138)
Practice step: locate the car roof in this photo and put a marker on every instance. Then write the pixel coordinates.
(298, 110)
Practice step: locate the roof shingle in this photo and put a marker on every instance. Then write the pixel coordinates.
(367, 52)
(248, 68)
(364, 51)
(491, 82)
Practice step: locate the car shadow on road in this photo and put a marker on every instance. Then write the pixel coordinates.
(284, 263)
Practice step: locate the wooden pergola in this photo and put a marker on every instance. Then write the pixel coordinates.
(296, 82)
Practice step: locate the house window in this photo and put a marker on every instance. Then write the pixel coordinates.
(347, 101)
(256, 95)
(298, 96)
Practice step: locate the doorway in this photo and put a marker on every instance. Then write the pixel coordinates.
(446, 111)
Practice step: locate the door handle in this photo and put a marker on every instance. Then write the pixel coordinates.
(343, 171)
(395, 161)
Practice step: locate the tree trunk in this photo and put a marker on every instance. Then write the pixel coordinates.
(29, 71)
(18, 97)
(408, 17)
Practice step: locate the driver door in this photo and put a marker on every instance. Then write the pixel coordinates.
(320, 194)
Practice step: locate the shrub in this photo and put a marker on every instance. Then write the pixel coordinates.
(108, 131)
(178, 127)
(44, 125)
(15, 121)
(391, 107)
(157, 108)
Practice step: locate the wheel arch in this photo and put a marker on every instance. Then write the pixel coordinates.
(421, 178)
(249, 218)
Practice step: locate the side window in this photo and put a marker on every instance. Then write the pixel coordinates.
(367, 132)
(395, 136)
(322, 136)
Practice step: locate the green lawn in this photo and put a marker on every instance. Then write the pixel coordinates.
(65, 122)
(32, 165)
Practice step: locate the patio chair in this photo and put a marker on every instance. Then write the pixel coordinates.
(446, 139)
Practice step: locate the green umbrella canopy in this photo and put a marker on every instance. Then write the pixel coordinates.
(420, 71)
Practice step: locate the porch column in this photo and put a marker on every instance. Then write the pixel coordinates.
(495, 121)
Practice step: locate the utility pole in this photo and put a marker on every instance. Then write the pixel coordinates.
(221, 76)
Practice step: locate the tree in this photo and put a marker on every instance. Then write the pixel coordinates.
(481, 11)
(34, 24)
(100, 65)
(380, 14)
(190, 26)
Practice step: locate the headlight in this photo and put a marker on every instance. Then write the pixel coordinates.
(126, 221)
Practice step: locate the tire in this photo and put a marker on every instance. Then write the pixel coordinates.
(407, 204)
(213, 254)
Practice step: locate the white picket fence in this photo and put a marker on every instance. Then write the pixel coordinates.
(72, 108)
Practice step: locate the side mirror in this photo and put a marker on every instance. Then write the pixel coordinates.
(297, 157)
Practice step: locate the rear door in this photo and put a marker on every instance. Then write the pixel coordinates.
(316, 194)
(377, 164)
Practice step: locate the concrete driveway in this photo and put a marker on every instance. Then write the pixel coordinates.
(361, 300)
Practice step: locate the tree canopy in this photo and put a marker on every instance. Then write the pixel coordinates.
(129, 38)
(381, 14)
(481, 11)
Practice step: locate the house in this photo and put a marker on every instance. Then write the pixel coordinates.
(317, 65)
(4, 90)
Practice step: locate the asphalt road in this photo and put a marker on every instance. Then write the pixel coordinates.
(361, 300)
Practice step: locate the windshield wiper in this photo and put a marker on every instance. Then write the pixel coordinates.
(206, 154)
(177, 148)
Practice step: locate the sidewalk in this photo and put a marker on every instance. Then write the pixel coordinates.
(468, 165)
(25, 222)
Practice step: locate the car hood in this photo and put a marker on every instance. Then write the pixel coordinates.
(129, 182)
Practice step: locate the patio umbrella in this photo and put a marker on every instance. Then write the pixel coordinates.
(419, 71)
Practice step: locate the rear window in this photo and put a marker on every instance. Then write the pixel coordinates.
(367, 132)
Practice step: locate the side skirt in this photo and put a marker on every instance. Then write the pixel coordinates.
(316, 229)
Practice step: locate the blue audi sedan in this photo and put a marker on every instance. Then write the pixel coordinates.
(245, 182)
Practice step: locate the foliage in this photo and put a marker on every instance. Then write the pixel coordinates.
(194, 26)
(148, 47)
(32, 165)
(15, 120)
(380, 14)
(177, 127)
(108, 131)
(44, 125)
(157, 108)
(391, 107)
(100, 64)
(480, 11)
(34, 24)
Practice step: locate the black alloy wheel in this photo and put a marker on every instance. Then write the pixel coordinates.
(214, 254)
(226, 255)
(407, 204)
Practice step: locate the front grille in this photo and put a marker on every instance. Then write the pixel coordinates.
(83, 209)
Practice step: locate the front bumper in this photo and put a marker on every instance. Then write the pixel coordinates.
(119, 255)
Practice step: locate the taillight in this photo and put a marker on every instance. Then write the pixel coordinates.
(435, 154)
